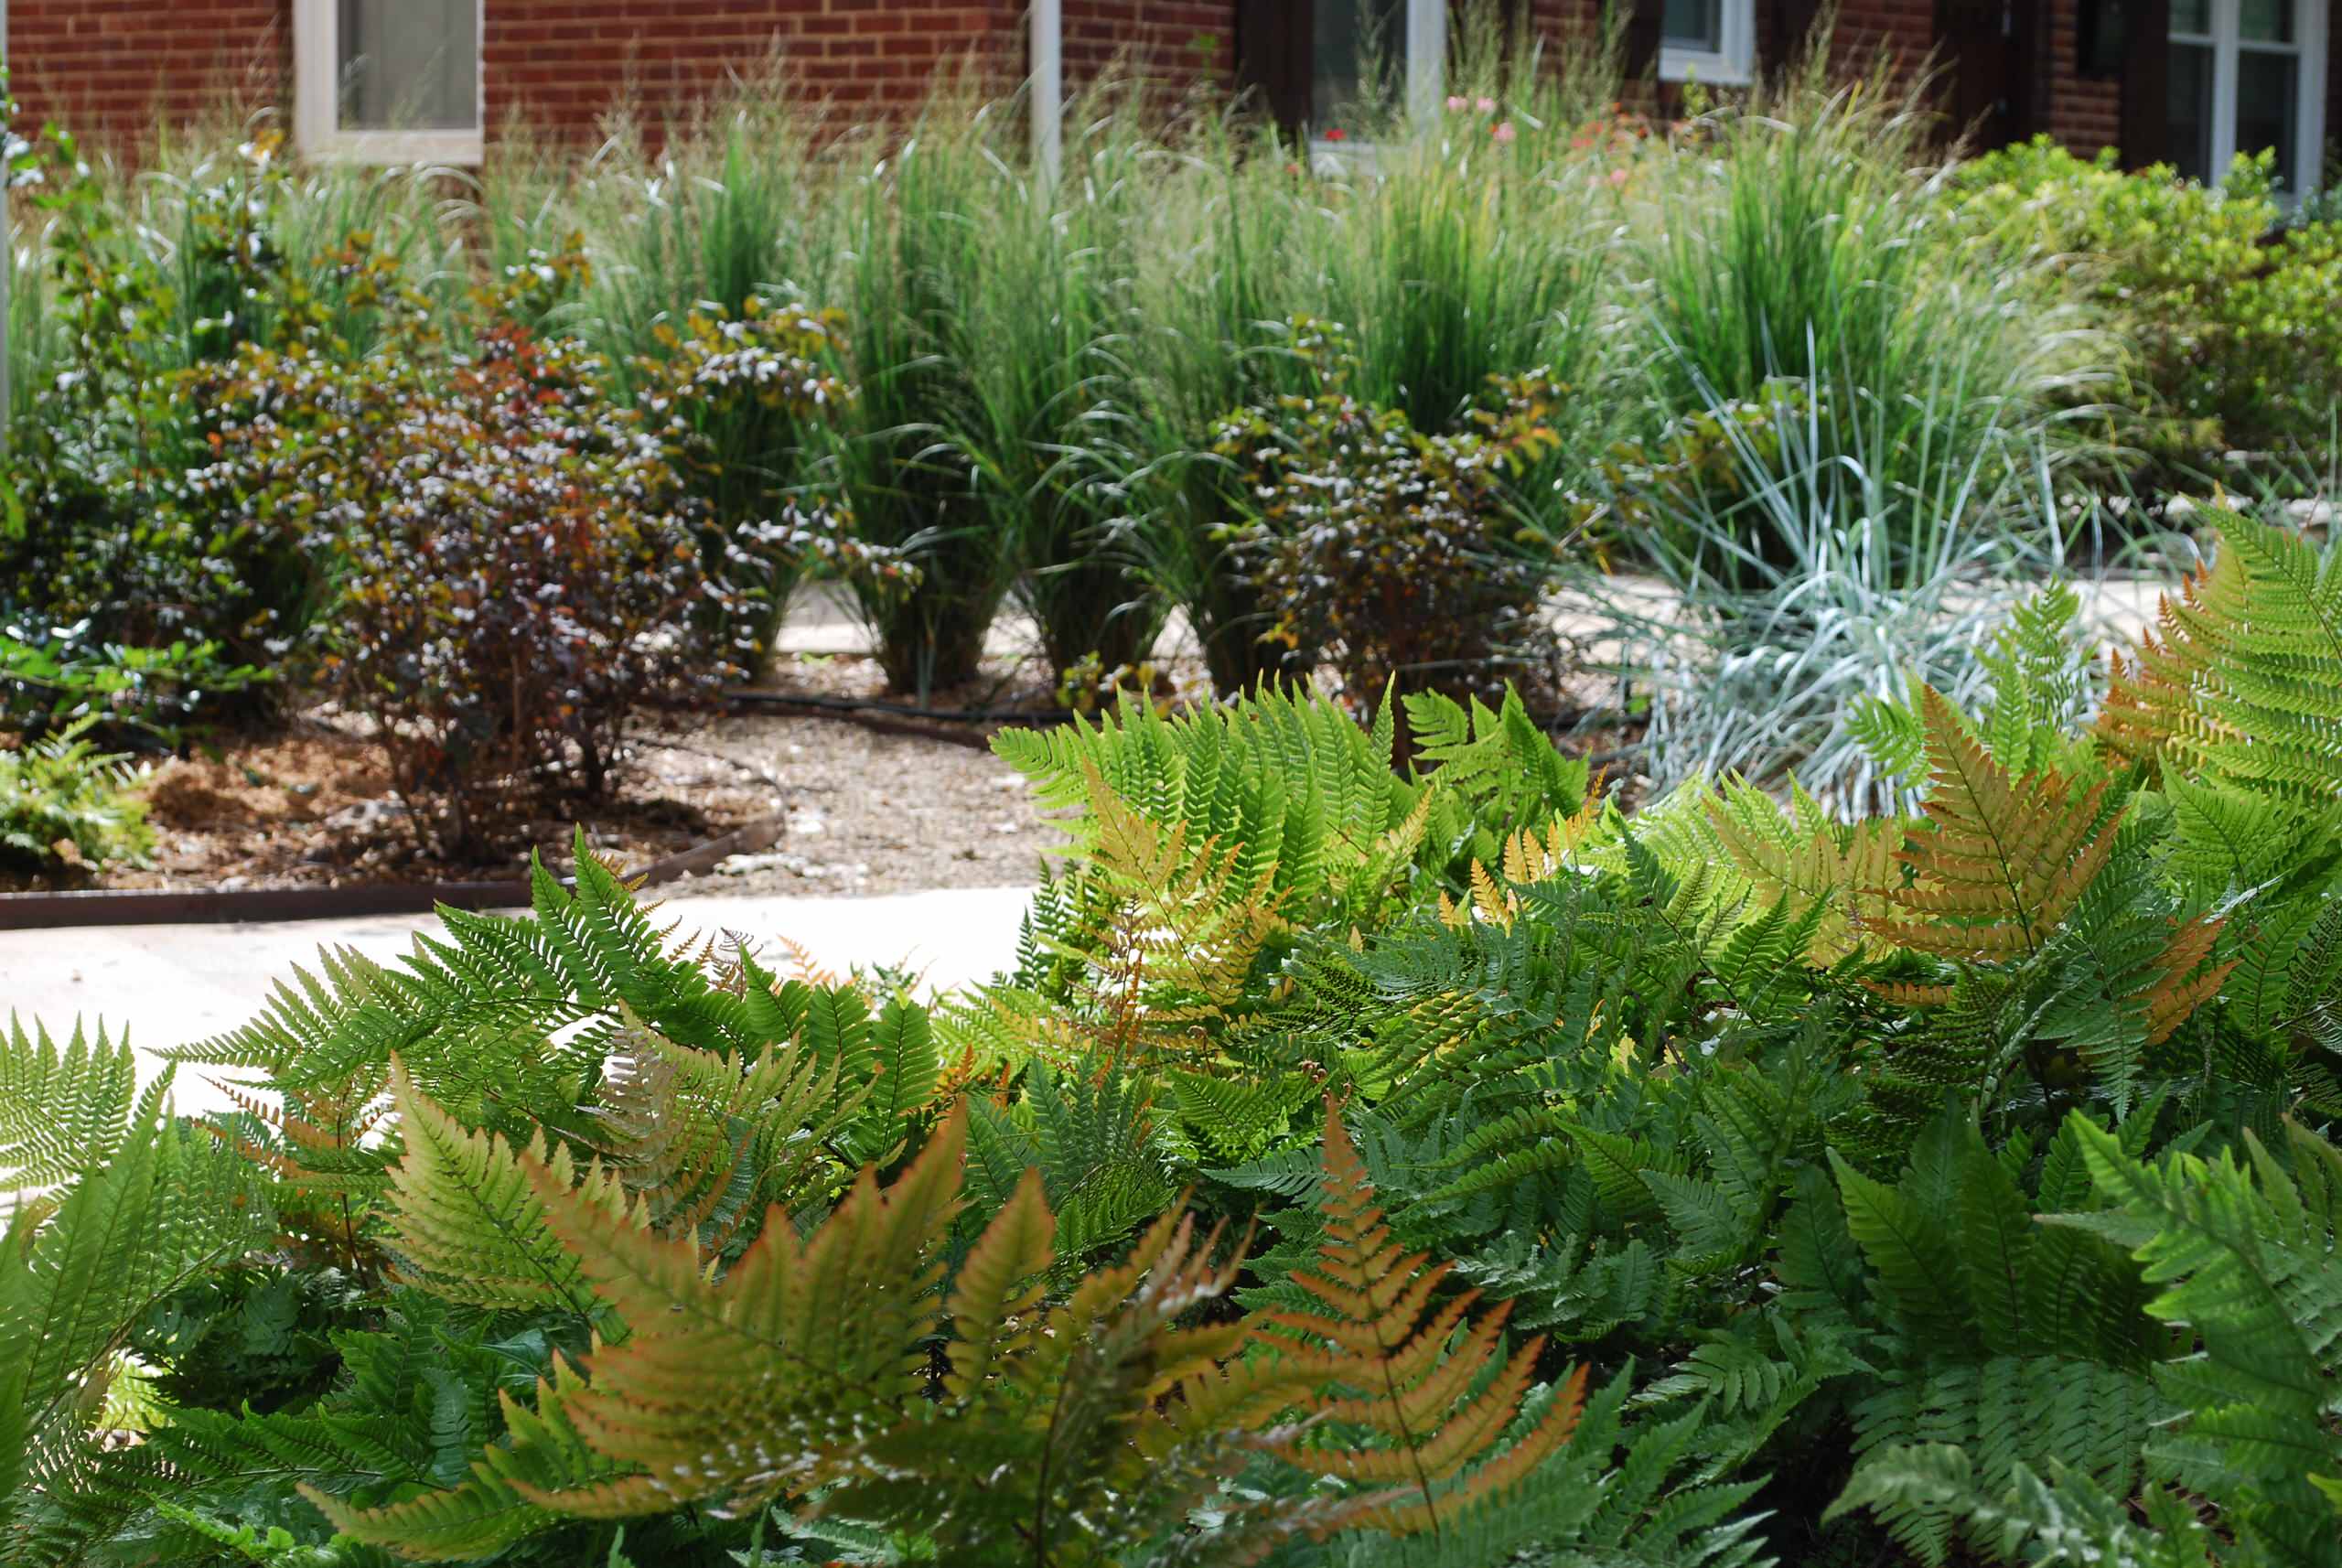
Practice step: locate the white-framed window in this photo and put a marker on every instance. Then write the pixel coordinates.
(1348, 38)
(2245, 75)
(388, 81)
(1713, 41)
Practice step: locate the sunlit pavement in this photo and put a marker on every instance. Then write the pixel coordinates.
(171, 985)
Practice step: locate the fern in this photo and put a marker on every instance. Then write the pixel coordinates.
(2020, 1344)
(1374, 1332)
(2247, 1253)
(63, 1110)
(77, 1272)
(2009, 855)
(2244, 681)
(464, 1219)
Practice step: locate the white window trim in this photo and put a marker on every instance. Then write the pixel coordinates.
(1424, 29)
(1734, 65)
(2227, 43)
(316, 128)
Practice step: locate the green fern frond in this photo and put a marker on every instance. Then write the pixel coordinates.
(63, 1110)
(2244, 683)
(465, 1220)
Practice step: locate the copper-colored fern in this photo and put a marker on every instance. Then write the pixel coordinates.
(2005, 858)
(1429, 1379)
(2239, 681)
(746, 1388)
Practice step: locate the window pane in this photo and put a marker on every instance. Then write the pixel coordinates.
(2267, 86)
(2266, 21)
(410, 65)
(2191, 109)
(2191, 16)
(1694, 25)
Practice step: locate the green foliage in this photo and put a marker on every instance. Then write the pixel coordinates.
(1390, 557)
(2225, 317)
(65, 803)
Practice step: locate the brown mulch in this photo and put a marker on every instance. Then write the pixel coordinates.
(310, 804)
(907, 805)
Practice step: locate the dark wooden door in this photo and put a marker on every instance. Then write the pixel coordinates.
(1988, 48)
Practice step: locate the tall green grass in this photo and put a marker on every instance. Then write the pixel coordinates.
(1807, 234)
(912, 271)
(1041, 361)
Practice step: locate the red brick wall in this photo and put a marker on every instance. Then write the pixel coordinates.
(2085, 115)
(563, 63)
(109, 69)
(1900, 31)
(1189, 43)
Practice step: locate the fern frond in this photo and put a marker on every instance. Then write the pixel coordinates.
(465, 1219)
(2244, 681)
(2007, 855)
(63, 1110)
(77, 1271)
(1429, 1381)
(516, 1489)
(1809, 863)
(737, 1390)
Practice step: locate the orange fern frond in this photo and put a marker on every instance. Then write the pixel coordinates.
(2242, 678)
(2006, 858)
(744, 1389)
(2188, 979)
(1427, 1377)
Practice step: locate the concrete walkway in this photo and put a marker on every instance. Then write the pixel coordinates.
(171, 985)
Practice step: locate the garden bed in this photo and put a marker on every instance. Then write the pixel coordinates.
(864, 810)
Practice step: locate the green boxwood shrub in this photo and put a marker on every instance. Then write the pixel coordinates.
(2231, 317)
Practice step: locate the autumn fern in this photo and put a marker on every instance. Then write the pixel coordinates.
(2241, 680)
(1412, 1366)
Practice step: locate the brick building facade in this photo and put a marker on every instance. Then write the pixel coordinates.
(2187, 80)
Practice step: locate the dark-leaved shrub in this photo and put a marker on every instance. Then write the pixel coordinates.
(517, 564)
(1392, 556)
(736, 398)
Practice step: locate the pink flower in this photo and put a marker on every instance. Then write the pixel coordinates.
(1486, 106)
(1617, 176)
(1502, 131)
(1456, 105)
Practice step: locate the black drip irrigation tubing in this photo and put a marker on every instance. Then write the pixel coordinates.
(903, 719)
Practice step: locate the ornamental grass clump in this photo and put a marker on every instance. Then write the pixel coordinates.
(912, 222)
(1806, 235)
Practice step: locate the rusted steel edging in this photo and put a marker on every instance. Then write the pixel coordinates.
(186, 907)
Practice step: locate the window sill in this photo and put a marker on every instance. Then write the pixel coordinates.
(1706, 67)
(454, 149)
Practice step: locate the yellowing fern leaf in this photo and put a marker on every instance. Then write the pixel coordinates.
(1801, 860)
(1430, 1381)
(465, 1219)
(2006, 858)
(740, 1390)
